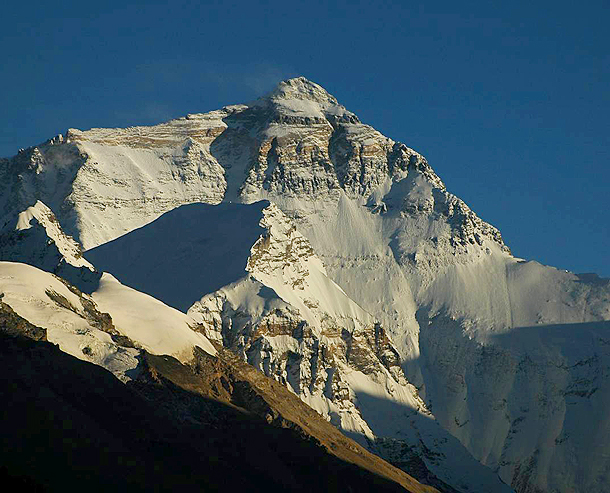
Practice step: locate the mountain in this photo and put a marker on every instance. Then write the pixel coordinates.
(336, 261)
(271, 302)
(211, 425)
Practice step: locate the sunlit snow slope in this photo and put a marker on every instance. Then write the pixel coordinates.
(86, 326)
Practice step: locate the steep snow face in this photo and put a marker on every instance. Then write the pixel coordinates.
(150, 323)
(520, 348)
(454, 309)
(71, 319)
(386, 251)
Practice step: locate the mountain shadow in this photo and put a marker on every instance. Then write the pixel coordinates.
(418, 444)
(176, 257)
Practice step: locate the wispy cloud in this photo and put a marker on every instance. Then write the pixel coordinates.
(173, 87)
(148, 113)
(256, 78)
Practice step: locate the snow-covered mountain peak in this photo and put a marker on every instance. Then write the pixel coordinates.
(302, 88)
(294, 147)
(300, 101)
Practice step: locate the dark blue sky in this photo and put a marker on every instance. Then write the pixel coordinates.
(509, 101)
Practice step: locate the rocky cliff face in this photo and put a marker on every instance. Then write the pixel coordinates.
(429, 294)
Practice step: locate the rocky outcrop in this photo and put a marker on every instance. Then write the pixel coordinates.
(14, 325)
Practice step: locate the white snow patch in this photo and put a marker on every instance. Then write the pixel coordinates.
(25, 290)
(159, 328)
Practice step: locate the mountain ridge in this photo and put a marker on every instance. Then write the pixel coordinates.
(188, 434)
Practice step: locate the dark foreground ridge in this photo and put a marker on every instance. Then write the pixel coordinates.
(67, 424)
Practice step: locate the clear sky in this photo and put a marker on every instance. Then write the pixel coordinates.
(509, 101)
